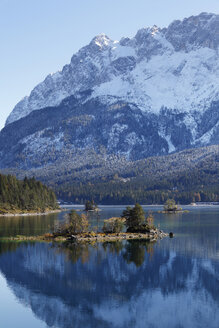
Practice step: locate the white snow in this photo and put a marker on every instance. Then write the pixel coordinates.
(206, 137)
(162, 40)
(102, 40)
(171, 147)
(114, 134)
(154, 84)
(38, 143)
(122, 51)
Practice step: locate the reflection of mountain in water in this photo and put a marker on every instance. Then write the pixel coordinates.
(113, 285)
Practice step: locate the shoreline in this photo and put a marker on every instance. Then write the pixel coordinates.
(101, 237)
(31, 213)
(91, 237)
(173, 212)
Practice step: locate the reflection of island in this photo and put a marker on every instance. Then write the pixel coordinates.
(113, 285)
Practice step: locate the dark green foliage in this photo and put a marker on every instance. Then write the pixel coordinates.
(25, 195)
(135, 252)
(90, 206)
(170, 205)
(185, 189)
(135, 219)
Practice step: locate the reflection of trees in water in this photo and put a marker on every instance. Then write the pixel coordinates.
(8, 247)
(74, 254)
(114, 247)
(133, 250)
(27, 225)
(85, 276)
(135, 253)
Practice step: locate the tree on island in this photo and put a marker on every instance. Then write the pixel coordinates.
(90, 206)
(136, 220)
(77, 223)
(113, 225)
(170, 206)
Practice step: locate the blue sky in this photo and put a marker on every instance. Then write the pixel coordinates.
(38, 37)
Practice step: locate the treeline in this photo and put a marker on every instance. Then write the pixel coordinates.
(184, 189)
(116, 196)
(25, 195)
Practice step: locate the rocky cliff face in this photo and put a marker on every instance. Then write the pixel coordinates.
(151, 95)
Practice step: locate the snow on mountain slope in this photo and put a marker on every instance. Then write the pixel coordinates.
(120, 102)
(180, 81)
(175, 68)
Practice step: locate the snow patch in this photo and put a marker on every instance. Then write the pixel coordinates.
(37, 143)
(206, 138)
(171, 147)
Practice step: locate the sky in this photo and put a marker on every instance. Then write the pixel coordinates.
(38, 37)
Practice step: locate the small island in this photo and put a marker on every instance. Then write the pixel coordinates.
(25, 197)
(90, 206)
(170, 206)
(31, 197)
(131, 225)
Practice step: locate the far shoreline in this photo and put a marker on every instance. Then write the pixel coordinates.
(32, 213)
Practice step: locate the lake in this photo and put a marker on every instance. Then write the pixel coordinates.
(173, 283)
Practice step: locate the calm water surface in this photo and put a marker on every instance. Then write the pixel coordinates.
(172, 283)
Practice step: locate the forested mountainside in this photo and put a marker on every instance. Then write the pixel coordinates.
(115, 180)
(26, 195)
(188, 176)
(143, 190)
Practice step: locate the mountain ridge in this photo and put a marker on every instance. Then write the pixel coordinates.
(104, 60)
(120, 103)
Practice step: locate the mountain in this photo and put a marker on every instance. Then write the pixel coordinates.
(120, 102)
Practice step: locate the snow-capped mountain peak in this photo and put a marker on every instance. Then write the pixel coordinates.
(174, 67)
(149, 95)
(101, 40)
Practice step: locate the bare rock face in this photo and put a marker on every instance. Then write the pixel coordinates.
(193, 32)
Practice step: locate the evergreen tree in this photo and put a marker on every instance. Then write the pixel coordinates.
(135, 218)
(25, 195)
